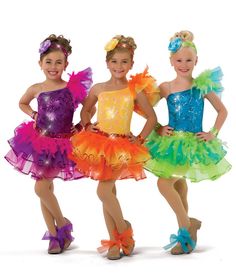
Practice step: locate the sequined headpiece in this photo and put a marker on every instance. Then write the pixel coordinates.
(176, 43)
(47, 44)
(113, 43)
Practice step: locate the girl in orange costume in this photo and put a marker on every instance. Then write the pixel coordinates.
(108, 151)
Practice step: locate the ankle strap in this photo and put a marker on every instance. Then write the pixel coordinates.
(122, 241)
(49, 236)
(184, 238)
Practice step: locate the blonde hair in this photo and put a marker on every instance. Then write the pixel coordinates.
(184, 35)
(123, 44)
(181, 39)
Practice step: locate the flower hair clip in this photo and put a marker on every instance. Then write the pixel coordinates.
(176, 43)
(111, 45)
(44, 46)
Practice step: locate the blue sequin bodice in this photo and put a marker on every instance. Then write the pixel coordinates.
(55, 111)
(186, 110)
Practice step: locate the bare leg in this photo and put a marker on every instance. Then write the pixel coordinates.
(182, 188)
(111, 206)
(175, 192)
(49, 205)
(114, 220)
(49, 220)
(167, 189)
(109, 220)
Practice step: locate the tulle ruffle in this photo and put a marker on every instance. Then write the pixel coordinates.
(108, 157)
(79, 85)
(143, 82)
(41, 156)
(183, 155)
(209, 81)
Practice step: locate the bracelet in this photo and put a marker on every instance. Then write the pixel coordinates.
(87, 125)
(78, 127)
(214, 131)
(140, 139)
(33, 114)
(158, 125)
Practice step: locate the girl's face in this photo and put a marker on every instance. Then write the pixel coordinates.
(184, 61)
(53, 65)
(120, 64)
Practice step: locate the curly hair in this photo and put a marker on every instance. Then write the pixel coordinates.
(184, 35)
(124, 44)
(57, 40)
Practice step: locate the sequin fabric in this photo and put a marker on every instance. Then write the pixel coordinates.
(186, 110)
(103, 155)
(41, 149)
(55, 112)
(182, 154)
(115, 110)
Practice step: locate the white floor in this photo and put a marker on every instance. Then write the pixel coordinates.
(22, 252)
(90, 24)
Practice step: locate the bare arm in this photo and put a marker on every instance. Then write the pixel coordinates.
(220, 109)
(164, 89)
(164, 130)
(151, 118)
(25, 100)
(78, 127)
(220, 119)
(89, 108)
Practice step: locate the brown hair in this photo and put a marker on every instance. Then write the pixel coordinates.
(124, 44)
(57, 42)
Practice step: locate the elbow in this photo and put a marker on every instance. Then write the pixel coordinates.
(152, 119)
(20, 105)
(224, 113)
(155, 120)
(82, 113)
(154, 116)
(93, 111)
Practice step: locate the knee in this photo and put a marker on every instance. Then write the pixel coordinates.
(184, 187)
(102, 193)
(40, 189)
(161, 184)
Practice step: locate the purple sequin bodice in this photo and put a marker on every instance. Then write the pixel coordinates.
(43, 150)
(55, 112)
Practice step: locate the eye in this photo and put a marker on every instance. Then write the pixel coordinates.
(189, 60)
(179, 60)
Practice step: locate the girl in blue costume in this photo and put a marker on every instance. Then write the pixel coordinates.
(182, 150)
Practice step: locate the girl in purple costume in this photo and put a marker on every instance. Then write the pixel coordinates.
(40, 147)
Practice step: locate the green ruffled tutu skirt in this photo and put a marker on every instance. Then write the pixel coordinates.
(183, 155)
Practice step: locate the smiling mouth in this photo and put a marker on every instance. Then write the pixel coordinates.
(52, 72)
(118, 71)
(183, 70)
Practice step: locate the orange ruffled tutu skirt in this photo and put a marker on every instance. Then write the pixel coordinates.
(103, 156)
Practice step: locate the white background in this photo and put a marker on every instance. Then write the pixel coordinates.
(89, 25)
